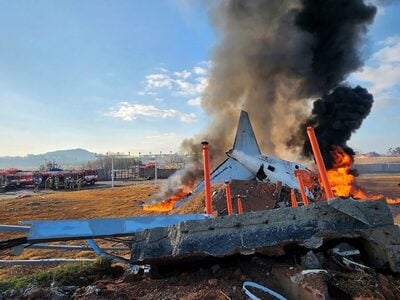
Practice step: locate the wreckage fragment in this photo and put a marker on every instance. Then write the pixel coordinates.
(269, 232)
(255, 195)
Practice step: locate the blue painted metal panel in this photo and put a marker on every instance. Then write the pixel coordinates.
(96, 228)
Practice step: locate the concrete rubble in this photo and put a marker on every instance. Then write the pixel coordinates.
(368, 224)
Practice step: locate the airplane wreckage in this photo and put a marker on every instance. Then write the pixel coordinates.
(318, 219)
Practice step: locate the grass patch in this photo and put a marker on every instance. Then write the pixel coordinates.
(78, 274)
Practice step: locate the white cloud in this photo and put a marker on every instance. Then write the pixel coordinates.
(129, 111)
(159, 100)
(194, 101)
(158, 81)
(185, 74)
(200, 70)
(178, 82)
(390, 53)
(384, 71)
(391, 40)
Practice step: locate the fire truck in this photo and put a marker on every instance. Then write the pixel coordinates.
(14, 178)
(90, 176)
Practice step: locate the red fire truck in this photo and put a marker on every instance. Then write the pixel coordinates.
(14, 178)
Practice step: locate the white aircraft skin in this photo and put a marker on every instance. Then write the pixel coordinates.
(275, 169)
(245, 162)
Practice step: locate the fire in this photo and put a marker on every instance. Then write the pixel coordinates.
(168, 204)
(343, 181)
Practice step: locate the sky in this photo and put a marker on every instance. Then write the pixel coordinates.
(127, 76)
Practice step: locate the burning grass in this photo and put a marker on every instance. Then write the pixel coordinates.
(342, 179)
(168, 204)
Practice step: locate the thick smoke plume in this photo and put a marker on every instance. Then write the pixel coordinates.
(335, 117)
(337, 27)
(271, 58)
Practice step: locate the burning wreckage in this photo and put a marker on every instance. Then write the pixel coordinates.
(277, 205)
(276, 217)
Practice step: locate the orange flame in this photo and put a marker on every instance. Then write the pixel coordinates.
(168, 204)
(343, 181)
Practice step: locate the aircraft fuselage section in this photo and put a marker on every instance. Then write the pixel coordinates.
(269, 168)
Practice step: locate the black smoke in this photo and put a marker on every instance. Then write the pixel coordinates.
(271, 58)
(337, 28)
(335, 117)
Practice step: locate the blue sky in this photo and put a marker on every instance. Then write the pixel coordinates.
(127, 75)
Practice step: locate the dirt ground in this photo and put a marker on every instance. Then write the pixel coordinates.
(386, 184)
(125, 201)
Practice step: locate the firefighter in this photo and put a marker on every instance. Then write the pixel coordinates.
(79, 183)
(3, 182)
(37, 180)
(56, 182)
(66, 183)
(71, 183)
(47, 183)
(51, 182)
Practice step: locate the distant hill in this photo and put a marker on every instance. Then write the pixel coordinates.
(64, 158)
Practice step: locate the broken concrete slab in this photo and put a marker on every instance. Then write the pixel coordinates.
(269, 232)
(383, 247)
(352, 208)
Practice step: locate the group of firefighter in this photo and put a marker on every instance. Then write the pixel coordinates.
(54, 182)
(3, 183)
(69, 183)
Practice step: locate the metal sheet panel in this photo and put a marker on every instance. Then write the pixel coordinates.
(14, 228)
(97, 228)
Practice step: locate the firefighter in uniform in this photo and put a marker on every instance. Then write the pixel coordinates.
(79, 183)
(47, 183)
(51, 182)
(56, 182)
(37, 180)
(71, 183)
(66, 183)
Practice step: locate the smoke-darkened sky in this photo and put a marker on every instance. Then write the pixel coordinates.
(133, 72)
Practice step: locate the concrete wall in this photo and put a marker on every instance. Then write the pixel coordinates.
(377, 168)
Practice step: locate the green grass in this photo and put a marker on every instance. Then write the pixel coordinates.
(77, 274)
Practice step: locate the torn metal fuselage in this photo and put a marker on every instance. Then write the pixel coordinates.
(246, 162)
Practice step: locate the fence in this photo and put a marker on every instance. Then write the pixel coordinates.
(134, 173)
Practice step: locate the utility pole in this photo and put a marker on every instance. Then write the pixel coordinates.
(156, 165)
(155, 168)
(113, 155)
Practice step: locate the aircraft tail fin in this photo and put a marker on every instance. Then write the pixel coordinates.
(245, 139)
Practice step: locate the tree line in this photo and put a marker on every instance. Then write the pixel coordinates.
(104, 163)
